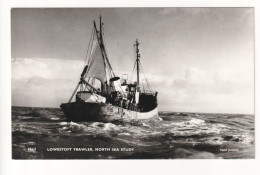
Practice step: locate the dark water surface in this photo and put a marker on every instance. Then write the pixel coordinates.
(44, 133)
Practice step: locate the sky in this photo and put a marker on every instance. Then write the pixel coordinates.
(198, 59)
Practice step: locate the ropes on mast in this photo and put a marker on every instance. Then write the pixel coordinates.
(111, 72)
(132, 72)
(89, 46)
(145, 77)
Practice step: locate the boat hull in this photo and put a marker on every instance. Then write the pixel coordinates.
(103, 112)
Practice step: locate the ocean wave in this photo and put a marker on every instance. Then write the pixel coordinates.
(190, 123)
(146, 125)
(23, 113)
(110, 126)
(25, 117)
(171, 135)
(25, 129)
(91, 128)
(125, 134)
(196, 128)
(75, 127)
(195, 121)
(63, 123)
(55, 118)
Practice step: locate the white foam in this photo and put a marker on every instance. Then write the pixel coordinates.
(247, 139)
(110, 126)
(195, 121)
(76, 126)
(64, 128)
(196, 127)
(24, 117)
(125, 133)
(191, 122)
(54, 118)
(145, 125)
(63, 123)
(96, 124)
(221, 126)
(215, 141)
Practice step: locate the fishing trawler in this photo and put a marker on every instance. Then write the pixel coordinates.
(102, 96)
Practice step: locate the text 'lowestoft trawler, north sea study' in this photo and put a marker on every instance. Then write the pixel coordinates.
(101, 96)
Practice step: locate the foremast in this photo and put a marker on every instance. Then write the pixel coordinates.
(98, 66)
(108, 68)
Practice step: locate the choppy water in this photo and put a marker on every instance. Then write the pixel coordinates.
(44, 133)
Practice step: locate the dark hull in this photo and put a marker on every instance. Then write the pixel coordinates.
(81, 111)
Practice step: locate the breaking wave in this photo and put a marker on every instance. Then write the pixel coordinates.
(171, 135)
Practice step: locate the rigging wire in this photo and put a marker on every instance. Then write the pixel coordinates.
(145, 77)
(132, 72)
(110, 34)
(143, 86)
(134, 63)
(103, 34)
(89, 46)
(92, 48)
(112, 74)
(86, 57)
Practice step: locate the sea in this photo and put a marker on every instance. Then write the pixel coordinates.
(44, 133)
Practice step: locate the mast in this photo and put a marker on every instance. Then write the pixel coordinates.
(100, 42)
(103, 49)
(100, 29)
(137, 61)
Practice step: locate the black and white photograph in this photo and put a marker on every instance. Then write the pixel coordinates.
(132, 83)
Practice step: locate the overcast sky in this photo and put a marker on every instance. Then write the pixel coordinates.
(198, 59)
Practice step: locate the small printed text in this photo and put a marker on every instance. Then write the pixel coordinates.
(228, 150)
(92, 149)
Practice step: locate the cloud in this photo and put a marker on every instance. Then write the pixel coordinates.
(201, 91)
(43, 82)
(50, 82)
